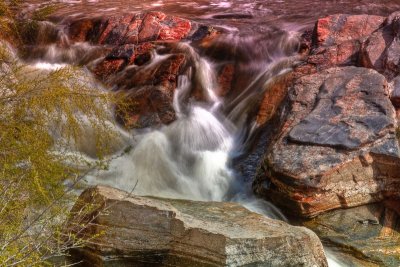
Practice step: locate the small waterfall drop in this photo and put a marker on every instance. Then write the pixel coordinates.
(191, 158)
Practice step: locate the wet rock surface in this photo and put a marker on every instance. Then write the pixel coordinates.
(147, 231)
(371, 232)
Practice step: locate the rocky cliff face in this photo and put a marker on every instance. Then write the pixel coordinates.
(147, 231)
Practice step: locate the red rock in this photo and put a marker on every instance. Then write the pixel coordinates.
(274, 94)
(336, 29)
(130, 29)
(115, 29)
(305, 41)
(79, 30)
(381, 51)
(151, 27)
(174, 28)
(343, 54)
(108, 67)
(122, 56)
(150, 99)
(373, 50)
(225, 78)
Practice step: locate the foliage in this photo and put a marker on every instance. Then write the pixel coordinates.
(43, 115)
(17, 30)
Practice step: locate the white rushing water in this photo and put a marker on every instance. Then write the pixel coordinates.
(188, 159)
(191, 157)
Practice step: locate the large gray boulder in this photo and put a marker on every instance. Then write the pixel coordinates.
(335, 146)
(149, 231)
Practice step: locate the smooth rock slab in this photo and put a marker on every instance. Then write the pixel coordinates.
(148, 231)
(371, 232)
(334, 145)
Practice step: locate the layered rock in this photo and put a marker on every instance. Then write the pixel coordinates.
(336, 144)
(144, 231)
(371, 232)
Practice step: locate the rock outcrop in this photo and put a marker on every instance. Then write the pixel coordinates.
(336, 146)
(144, 61)
(333, 141)
(140, 231)
(371, 232)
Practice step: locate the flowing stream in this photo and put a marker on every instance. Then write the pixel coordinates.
(193, 157)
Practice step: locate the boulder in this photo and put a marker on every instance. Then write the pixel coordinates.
(381, 51)
(334, 146)
(370, 232)
(336, 29)
(147, 231)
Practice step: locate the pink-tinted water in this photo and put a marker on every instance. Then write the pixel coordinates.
(272, 12)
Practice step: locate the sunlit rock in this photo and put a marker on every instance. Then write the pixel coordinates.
(144, 231)
(336, 29)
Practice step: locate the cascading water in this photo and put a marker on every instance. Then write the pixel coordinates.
(192, 158)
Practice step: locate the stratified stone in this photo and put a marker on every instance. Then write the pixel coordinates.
(337, 29)
(148, 231)
(371, 232)
(336, 146)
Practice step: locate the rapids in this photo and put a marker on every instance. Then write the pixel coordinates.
(194, 157)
